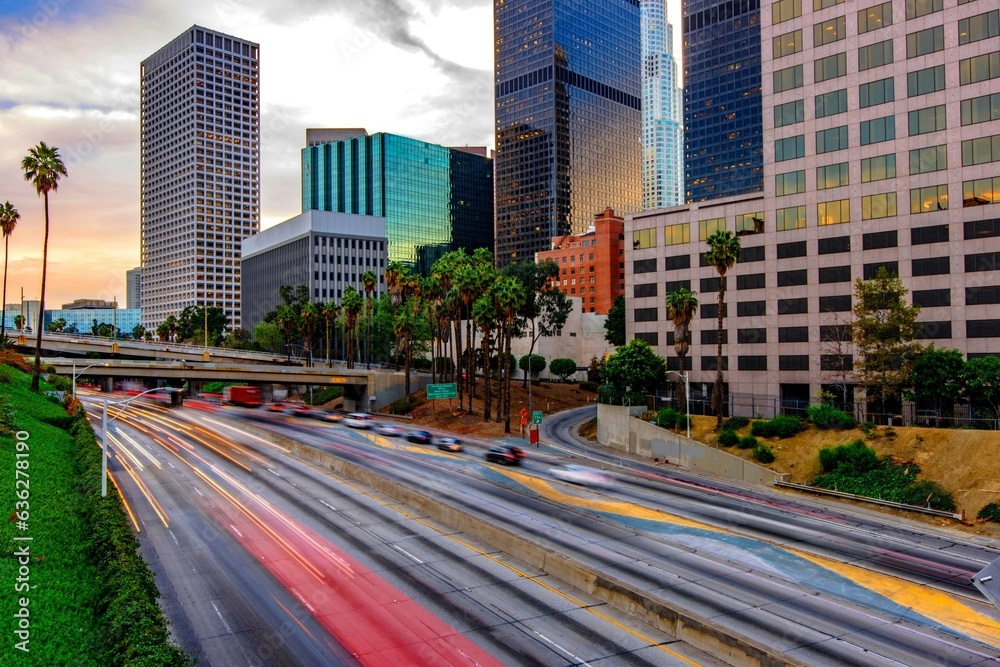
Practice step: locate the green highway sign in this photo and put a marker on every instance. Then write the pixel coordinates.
(440, 391)
(536, 417)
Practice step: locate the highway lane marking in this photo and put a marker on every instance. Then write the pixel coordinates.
(329, 505)
(576, 658)
(236, 530)
(226, 625)
(272, 472)
(173, 537)
(404, 551)
(197, 491)
(524, 575)
(933, 604)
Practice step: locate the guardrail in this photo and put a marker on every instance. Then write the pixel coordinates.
(958, 516)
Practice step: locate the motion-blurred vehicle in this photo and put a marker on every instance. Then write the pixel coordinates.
(449, 444)
(331, 416)
(359, 420)
(299, 409)
(248, 397)
(388, 429)
(581, 475)
(504, 454)
(277, 406)
(419, 437)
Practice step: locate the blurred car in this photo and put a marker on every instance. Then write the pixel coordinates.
(419, 437)
(388, 429)
(277, 406)
(359, 420)
(581, 475)
(331, 416)
(504, 455)
(449, 444)
(299, 409)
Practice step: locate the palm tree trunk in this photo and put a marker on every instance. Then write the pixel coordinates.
(457, 325)
(488, 393)
(3, 304)
(470, 364)
(41, 301)
(681, 396)
(717, 388)
(506, 393)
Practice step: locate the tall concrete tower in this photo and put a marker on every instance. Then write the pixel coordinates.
(200, 179)
(662, 111)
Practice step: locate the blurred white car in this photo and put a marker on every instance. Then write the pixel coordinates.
(584, 476)
(388, 429)
(359, 420)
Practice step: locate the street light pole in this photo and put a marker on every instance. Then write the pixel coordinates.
(75, 375)
(687, 399)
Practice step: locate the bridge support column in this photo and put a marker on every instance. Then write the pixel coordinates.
(107, 384)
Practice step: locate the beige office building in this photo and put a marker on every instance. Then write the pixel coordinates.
(881, 148)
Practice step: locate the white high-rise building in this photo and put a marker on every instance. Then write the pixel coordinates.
(133, 287)
(200, 182)
(662, 113)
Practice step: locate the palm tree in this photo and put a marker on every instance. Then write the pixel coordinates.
(171, 322)
(484, 315)
(369, 281)
(8, 221)
(43, 167)
(287, 319)
(352, 304)
(404, 327)
(330, 313)
(723, 253)
(681, 306)
(510, 297)
(310, 313)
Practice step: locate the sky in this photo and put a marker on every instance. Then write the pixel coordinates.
(69, 76)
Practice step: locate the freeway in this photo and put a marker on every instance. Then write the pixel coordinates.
(266, 560)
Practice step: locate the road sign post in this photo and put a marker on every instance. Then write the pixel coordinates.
(447, 390)
(536, 417)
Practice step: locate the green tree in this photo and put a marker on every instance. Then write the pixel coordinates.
(268, 336)
(190, 327)
(309, 315)
(56, 325)
(288, 319)
(723, 253)
(238, 339)
(982, 381)
(634, 369)
(352, 303)
(883, 330)
(138, 332)
(682, 304)
(43, 167)
(171, 322)
(484, 314)
(8, 221)
(19, 321)
(546, 308)
(163, 332)
(563, 367)
(532, 364)
(614, 324)
(936, 379)
(330, 311)
(370, 281)
(509, 298)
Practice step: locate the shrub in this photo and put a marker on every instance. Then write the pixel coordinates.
(563, 368)
(763, 453)
(12, 358)
(589, 386)
(736, 423)
(748, 442)
(782, 426)
(925, 493)
(825, 416)
(6, 374)
(857, 456)
(667, 418)
(401, 407)
(611, 395)
(990, 512)
(682, 421)
(727, 438)
(58, 382)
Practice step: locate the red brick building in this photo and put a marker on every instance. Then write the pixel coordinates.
(592, 265)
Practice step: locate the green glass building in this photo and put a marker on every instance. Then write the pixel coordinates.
(434, 199)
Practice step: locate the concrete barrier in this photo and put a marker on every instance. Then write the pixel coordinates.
(619, 430)
(702, 633)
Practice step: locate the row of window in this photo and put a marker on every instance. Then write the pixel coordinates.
(877, 16)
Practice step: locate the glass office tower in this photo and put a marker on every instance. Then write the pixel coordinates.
(662, 117)
(434, 199)
(723, 128)
(200, 178)
(568, 120)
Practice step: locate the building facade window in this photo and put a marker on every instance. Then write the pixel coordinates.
(832, 103)
(829, 31)
(832, 176)
(873, 18)
(751, 308)
(834, 274)
(797, 306)
(981, 109)
(981, 150)
(981, 26)
(877, 130)
(932, 298)
(875, 55)
(793, 278)
(833, 139)
(677, 234)
(792, 249)
(931, 266)
(646, 314)
(787, 44)
(789, 113)
(979, 68)
(931, 119)
(790, 183)
(878, 206)
(876, 92)
(835, 304)
(926, 160)
(793, 217)
(833, 212)
(751, 336)
(641, 238)
(793, 334)
(879, 240)
(918, 8)
(922, 42)
(878, 168)
(788, 78)
(928, 235)
(981, 191)
(829, 67)
(833, 245)
(930, 198)
(785, 10)
(925, 81)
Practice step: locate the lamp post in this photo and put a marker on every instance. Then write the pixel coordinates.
(75, 375)
(104, 435)
(687, 399)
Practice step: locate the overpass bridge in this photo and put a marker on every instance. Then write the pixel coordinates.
(73, 344)
(359, 384)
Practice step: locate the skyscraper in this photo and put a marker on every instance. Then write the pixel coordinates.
(723, 130)
(662, 117)
(434, 199)
(200, 179)
(568, 124)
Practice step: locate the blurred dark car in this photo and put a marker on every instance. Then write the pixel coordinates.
(449, 444)
(419, 437)
(331, 416)
(505, 454)
(277, 406)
